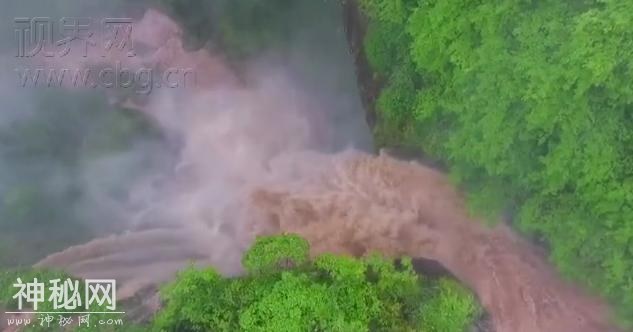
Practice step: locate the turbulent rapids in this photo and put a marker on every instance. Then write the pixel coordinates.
(356, 203)
(248, 165)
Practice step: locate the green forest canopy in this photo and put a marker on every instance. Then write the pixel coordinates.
(285, 290)
(530, 104)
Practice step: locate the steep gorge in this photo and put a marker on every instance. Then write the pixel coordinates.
(248, 166)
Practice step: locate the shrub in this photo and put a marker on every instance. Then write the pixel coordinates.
(328, 293)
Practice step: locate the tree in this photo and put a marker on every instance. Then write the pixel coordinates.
(530, 105)
(285, 290)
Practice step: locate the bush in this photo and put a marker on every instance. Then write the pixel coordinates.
(328, 293)
(273, 253)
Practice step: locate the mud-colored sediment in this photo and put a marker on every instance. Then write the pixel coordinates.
(356, 204)
(369, 203)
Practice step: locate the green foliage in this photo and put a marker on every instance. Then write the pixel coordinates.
(531, 106)
(271, 253)
(390, 11)
(329, 293)
(449, 309)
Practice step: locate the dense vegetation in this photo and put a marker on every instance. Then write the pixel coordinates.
(285, 290)
(530, 104)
